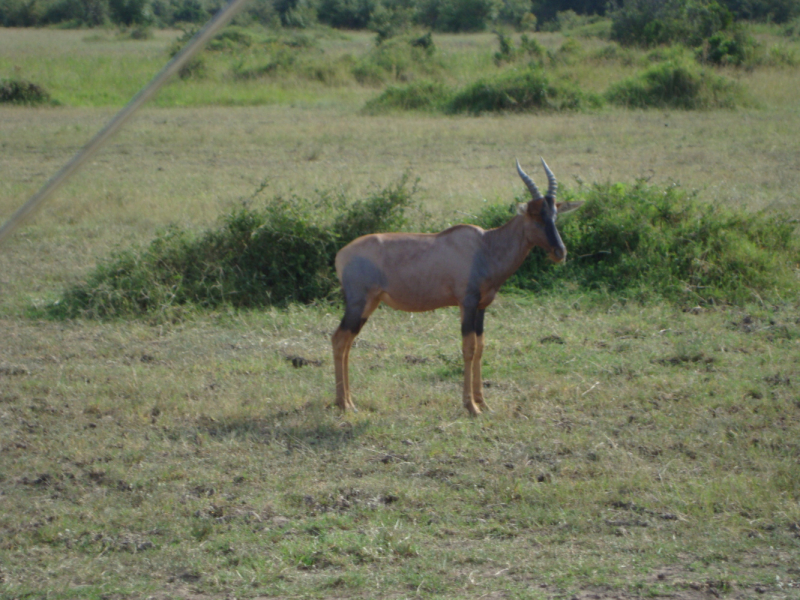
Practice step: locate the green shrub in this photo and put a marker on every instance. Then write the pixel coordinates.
(528, 49)
(676, 85)
(628, 242)
(569, 53)
(646, 243)
(419, 95)
(279, 60)
(730, 48)
(294, 54)
(400, 58)
(792, 28)
(507, 52)
(232, 39)
(19, 91)
(518, 91)
(281, 253)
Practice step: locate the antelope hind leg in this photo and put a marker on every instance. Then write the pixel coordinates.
(355, 316)
(477, 379)
(348, 400)
(341, 341)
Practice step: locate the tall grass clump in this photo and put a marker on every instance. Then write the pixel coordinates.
(523, 90)
(274, 255)
(401, 58)
(427, 96)
(676, 84)
(646, 243)
(19, 91)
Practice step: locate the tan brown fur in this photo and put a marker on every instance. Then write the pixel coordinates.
(461, 266)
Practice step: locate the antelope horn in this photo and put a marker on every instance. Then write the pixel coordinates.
(551, 179)
(537, 195)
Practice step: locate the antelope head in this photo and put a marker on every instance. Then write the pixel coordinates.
(540, 215)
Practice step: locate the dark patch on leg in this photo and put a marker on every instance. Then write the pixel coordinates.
(472, 321)
(479, 322)
(352, 320)
(469, 321)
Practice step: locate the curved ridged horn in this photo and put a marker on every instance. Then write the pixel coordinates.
(552, 187)
(537, 195)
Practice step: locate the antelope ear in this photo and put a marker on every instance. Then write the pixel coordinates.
(522, 208)
(567, 207)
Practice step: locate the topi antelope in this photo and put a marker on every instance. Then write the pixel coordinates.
(463, 265)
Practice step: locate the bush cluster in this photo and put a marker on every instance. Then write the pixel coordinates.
(729, 48)
(517, 91)
(524, 90)
(677, 81)
(280, 253)
(400, 58)
(628, 242)
(645, 243)
(19, 91)
(676, 84)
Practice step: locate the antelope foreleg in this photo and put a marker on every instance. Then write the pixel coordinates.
(477, 380)
(469, 347)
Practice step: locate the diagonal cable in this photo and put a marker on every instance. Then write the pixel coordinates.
(172, 67)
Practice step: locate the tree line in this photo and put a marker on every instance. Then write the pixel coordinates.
(640, 22)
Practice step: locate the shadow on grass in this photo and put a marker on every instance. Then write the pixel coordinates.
(295, 429)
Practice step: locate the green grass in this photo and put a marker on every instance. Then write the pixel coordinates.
(263, 67)
(646, 451)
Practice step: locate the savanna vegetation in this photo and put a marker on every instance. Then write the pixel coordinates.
(165, 378)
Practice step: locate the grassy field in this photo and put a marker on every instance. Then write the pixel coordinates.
(632, 451)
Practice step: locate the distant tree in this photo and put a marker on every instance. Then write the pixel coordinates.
(128, 12)
(296, 13)
(513, 12)
(652, 22)
(21, 13)
(458, 15)
(546, 10)
(189, 11)
(91, 13)
(346, 14)
(777, 11)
